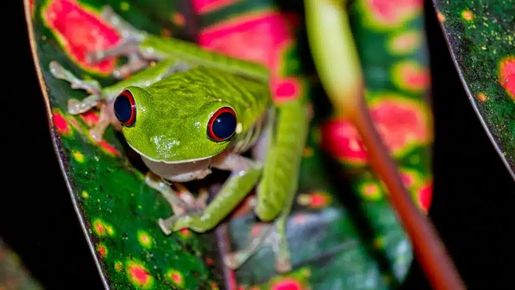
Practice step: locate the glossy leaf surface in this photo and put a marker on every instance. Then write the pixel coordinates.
(481, 38)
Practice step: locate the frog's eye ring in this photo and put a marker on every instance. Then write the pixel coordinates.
(222, 124)
(125, 109)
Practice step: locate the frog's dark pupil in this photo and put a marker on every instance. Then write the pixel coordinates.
(124, 109)
(224, 125)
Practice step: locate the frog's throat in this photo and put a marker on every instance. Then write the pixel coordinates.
(171, 161)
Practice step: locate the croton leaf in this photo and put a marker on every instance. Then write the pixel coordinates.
(341, 234)
(481, 40)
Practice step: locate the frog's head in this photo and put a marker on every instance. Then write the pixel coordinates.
(174, 126)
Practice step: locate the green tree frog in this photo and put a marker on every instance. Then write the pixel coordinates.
(186, 111)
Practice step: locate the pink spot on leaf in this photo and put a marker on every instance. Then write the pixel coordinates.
(287, 284)
(185, 233)
(507, 75)
(60, 123)
(90, 117)
(286, 89)
(108, 148)
(341, 139)
(262, 38)
(411, 76)
(139, 275)
(425, 196)
(206, 6)
(391, 13)
(176, 277)
(102, 250)
(318, 200)
(401, 123)
(81, 32)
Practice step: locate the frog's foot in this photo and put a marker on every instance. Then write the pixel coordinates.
(234, 260)
(177, 204)
(134, 64)
(280, 246)
(187, 214)
(128, 46)
(105, 119)
(272, 235)
(91, 86)
(76, 107)
(182, 202)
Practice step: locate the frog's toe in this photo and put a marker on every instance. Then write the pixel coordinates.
(283, 264)
(129, 68)
(234, 260)
(174, 223)
(167, 224)
(74, 106)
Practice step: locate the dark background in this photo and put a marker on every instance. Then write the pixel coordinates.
(471, 207)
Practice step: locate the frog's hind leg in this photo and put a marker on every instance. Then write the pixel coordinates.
(245, 174)
(128, 46)
(236, 259)
(280, 246)
(278, 185)
(274, 236)
(181, 201)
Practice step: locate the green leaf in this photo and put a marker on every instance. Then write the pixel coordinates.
(481, 39)
(342, 231)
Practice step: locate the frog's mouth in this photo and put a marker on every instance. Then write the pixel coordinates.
(180, 172)
(167, 161)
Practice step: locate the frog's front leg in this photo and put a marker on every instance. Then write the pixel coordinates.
(95, 99)
(92, 87)
(244, 176)
(103, 98)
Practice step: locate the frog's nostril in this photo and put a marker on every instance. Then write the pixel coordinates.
(125, 109)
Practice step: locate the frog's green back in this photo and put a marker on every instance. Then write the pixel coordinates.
(191, 53)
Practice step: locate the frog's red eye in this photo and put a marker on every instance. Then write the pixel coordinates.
(222, 124)
(125, 109)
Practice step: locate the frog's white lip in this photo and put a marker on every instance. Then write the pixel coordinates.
(168, 161)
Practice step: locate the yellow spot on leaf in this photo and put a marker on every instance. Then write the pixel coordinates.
(467, 15)
(404, 42)
(440, 17)
(118, 266)
(482, 97)
(124, 6)
(102, 250)
(101, 228)
(308, 152)
(145, 239)
(378, 243)
(176, 277)
(370, 191)
(78, 156)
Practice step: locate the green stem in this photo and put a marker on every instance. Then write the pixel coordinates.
(329, 36)
(337, 63)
